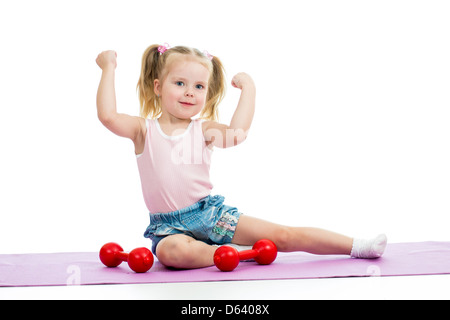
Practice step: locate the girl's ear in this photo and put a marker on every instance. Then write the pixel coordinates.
(157, 87)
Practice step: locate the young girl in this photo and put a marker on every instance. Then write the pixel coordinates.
(173, 151)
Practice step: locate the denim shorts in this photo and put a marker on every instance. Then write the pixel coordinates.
(208, 220)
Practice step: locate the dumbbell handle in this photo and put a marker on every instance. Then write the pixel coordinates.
(122, 255)
(248, 254)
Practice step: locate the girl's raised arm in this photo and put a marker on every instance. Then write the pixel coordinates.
(225, 136)
(121, 124)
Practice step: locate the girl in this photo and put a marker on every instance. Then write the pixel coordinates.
(174, 151)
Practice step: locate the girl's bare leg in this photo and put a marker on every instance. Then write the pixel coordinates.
(184, 252)
(288, 239)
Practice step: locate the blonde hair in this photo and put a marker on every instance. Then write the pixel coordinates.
(155, 65)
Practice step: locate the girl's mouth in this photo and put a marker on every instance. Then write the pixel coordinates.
(186, 104)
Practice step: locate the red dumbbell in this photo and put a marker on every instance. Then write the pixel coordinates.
(227, 258)
(140, 260)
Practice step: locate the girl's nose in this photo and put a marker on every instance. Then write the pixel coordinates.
(189, 93)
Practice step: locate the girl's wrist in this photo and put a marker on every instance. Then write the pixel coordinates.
(109, 68)
(249, 87)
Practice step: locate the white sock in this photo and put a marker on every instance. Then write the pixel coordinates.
(369, 249)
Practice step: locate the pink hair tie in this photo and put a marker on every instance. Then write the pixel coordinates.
(163, 48)
(208, 55)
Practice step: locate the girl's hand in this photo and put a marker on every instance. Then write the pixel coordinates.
(107, 59)
(242, 80)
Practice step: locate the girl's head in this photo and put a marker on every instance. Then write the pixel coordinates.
(183, 80)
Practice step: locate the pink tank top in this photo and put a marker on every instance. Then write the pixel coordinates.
(174, 170)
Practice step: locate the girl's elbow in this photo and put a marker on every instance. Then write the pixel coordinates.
(106, 120)
(240, 138)
(236, 137)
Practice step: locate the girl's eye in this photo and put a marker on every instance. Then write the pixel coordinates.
(199, 86)
(179, 83)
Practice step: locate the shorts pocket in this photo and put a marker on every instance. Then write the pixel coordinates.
(196, 228)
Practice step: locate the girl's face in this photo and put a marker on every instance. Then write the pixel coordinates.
(183, 91)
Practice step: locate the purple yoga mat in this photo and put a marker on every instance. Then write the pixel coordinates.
(59, 269)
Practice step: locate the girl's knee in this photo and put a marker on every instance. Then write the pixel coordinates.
(283, 239)
(173, 251)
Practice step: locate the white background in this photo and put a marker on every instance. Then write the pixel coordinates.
(351, 131)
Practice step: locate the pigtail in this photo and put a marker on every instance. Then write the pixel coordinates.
(149, 104)
(216, 91)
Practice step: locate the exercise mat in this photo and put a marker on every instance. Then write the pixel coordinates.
(60, 269)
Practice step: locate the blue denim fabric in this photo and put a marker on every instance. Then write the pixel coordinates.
(208, 220)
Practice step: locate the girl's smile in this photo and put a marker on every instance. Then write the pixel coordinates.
(186, 104)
